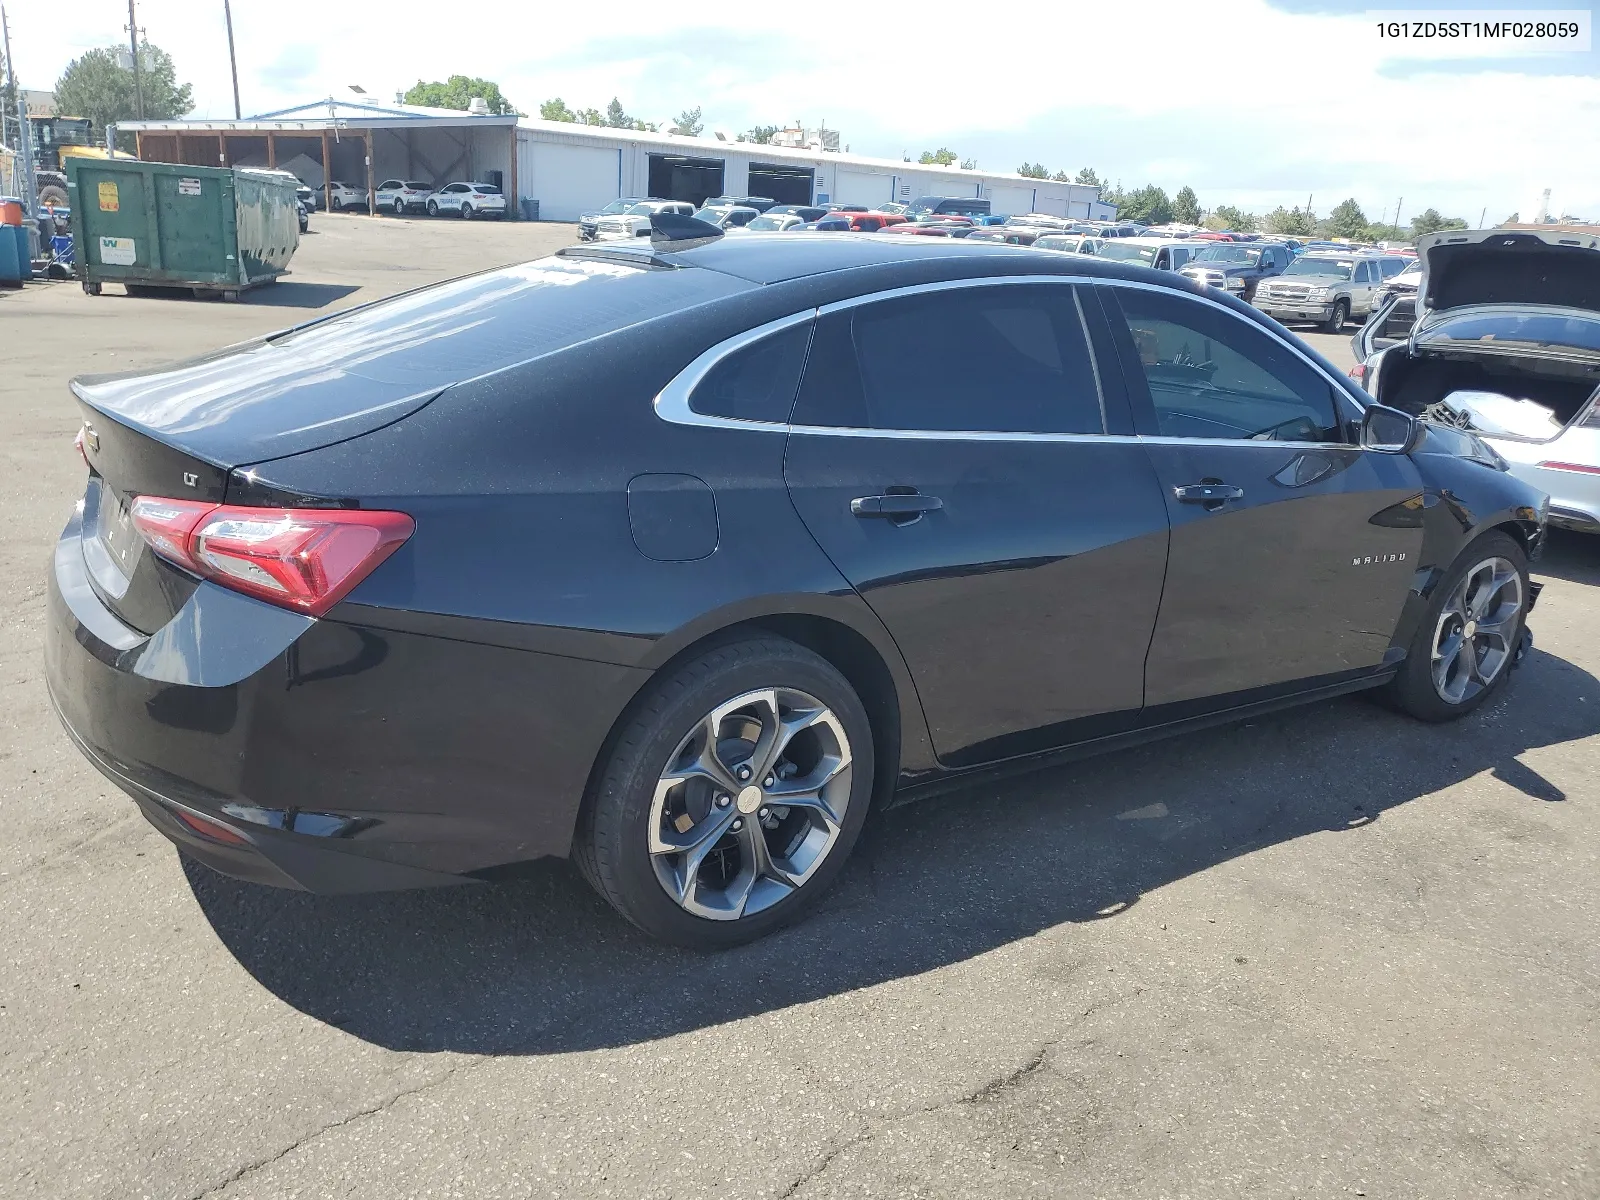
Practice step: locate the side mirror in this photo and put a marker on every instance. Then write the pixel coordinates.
(1388, 430)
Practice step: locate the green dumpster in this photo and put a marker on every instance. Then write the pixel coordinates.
(214, 230)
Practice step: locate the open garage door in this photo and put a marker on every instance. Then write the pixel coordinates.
(871, 188)
(1010, 201)
(679, 177)
(568, 180)
(785, 184)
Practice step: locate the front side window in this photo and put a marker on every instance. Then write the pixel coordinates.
(1210, 374)
(1003, 359)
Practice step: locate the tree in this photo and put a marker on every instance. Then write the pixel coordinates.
(688, 123)
(1186, 206)
(1061, 177)
(1148, 206)
(1429, 221)
(97, 86)
(1226, 216)
(1034, 171)
(1291, 221)
(761, 135)
(557, 110)
(1087, 176)
(940, 157)
(615, 117)
(591, 116)
(1346, 221)
(458, 92)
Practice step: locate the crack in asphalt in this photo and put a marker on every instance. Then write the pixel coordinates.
(992, 1090)
(360, 1115)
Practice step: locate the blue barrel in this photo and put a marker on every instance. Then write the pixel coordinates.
(61, 247)
(10, 264)
(24, 250)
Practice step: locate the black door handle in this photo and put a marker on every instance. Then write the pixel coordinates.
(1208, 493)
(895, 507)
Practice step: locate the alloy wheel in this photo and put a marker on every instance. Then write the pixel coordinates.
(1474, 639)
(750, 803)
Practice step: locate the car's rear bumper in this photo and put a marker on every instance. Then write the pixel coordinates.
(342, 757)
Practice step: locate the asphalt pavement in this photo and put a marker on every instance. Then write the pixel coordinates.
(1327, 953)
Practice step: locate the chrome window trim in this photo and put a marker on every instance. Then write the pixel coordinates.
(672, 402)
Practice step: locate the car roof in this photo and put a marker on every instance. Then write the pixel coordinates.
(780, 260)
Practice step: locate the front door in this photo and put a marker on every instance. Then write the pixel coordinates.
(1292, 549)
(949, 454)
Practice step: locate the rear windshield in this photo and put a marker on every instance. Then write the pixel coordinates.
(1339, 268)
(1228, 252)
(486, 189)
(1528, 330)
(1126, 252)
(467, 327)
(417, 186)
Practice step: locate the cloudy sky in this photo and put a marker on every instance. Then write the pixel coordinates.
(1250, 102)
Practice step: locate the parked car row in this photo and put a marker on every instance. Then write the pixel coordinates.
(463, 198)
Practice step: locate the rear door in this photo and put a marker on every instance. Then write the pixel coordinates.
(1292, 549)
(949, 452)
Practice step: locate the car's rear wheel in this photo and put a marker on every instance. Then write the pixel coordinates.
(732, 797)
(1337, 318)
(1470, 634)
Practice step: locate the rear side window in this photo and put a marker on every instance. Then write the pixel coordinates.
(1001, 359)
(758, 382)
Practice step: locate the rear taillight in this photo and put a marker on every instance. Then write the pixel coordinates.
(1358, 373)
(1576, 468)
(215, 830)
(307, 559)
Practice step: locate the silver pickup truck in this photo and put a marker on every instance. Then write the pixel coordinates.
(1326, 287)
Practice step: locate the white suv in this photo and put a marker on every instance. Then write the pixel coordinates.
(340, 196)
(399, 197)
(468, 200)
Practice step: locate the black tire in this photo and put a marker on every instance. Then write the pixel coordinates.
(336, 204)
(466, 212)
(1412, 691)
(91, 289)
(433, 208)
(611, 847)
(1337, 318)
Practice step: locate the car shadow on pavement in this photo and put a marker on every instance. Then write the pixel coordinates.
(1574, 557)
(291, 293)
(540, 965)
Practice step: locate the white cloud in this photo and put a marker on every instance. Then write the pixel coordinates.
(1227, 115)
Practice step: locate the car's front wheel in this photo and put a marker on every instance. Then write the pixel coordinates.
(1470, 633)
(433, 208)
(466, 212)
(1338, 317)
(732, 796)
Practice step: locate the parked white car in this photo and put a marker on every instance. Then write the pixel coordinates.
(340, 196)
(727, 216)
(635, 222)
(1070, 243)
(468, 200)
(400, 197)
(770, 223)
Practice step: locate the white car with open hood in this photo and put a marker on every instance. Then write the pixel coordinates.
(1506, 343)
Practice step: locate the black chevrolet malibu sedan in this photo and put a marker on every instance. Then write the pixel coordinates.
(678, 557)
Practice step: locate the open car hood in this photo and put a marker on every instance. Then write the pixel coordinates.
(1511, 268)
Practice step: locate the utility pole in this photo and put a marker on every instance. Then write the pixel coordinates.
(233, 64)
(30, 191)
(1482, 216)
(1397, 205)
(138, 79)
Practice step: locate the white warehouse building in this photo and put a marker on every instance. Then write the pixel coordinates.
(568, 169)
